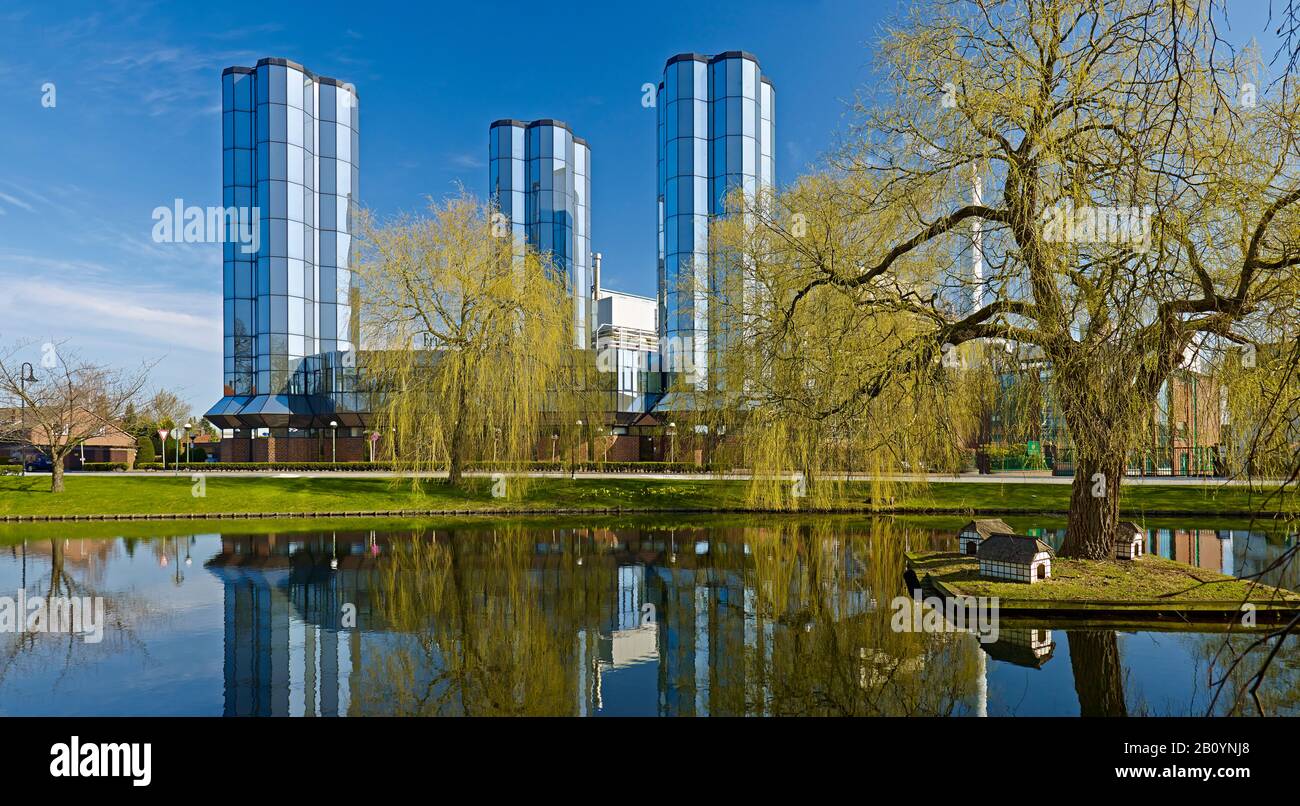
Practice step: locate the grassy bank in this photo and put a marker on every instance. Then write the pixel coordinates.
(121, 495)
(1148, 580)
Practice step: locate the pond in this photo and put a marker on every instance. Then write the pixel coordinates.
(707, 616)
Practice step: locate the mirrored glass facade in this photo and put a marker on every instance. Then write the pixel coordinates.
(290, 152)
(540, 180)
(716, 129)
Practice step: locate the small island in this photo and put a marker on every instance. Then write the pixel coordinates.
(1143, 588)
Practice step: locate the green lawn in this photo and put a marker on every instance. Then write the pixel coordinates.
(111, 495)
(1136, 500)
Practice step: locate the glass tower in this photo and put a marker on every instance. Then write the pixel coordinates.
(715, 134)
(289, 148)
(540, 180)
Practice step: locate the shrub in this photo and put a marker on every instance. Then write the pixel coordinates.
(144, 453)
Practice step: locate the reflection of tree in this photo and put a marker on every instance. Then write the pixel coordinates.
(792, 619)
(44, 647)
(1252, 673)
(1098, 673)
(836, 652)
(483, 634)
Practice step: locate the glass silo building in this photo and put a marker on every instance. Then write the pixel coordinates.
(290, 152)
(540, 180)
(715, 134)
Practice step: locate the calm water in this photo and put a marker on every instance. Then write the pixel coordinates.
(790, 617)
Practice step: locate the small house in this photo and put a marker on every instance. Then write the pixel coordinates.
(972, 534)
(1031, 648)
(1130, 540)
(1015, 558)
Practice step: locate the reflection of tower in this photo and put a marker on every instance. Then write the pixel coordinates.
(284, 652)
(256, 644)
(706, 628)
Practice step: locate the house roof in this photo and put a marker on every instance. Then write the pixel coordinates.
(1018, 654)
(987, 527)
(1128, 527)
(1009, 548)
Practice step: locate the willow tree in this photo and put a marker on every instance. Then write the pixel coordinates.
(466, 338)
(1103, 183)
(787, 376)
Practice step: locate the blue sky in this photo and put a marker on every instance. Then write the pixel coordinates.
(137, 125)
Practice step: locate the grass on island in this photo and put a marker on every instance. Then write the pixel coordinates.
(166, 494)
(1148, 579)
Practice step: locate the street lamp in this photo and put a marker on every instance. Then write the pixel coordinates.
(555, 438)
(334, 437)
(188, 426)
(574, 470)
(25, 377)
(604, 445)
(672, 435)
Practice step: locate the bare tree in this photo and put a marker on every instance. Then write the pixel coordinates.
(65, 402)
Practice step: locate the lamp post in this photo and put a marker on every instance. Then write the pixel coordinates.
(672, 436)
(25, 377)
(176, 438)
(188, 426)
(555, 438)
(334, 436)
(496, 437)
(604, 446)
(574, 469)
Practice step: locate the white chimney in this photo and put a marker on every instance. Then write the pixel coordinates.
(595, 275)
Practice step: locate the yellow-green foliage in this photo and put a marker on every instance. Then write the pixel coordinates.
(814, 390)
(467, 335)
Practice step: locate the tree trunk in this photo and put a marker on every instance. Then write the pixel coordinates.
(1094, 509)
(1098, 673)
(457, 447)
(56, 474)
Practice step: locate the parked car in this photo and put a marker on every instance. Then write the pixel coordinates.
(40, 464)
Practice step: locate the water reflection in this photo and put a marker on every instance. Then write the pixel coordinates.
(1235, 552)
(789, 618)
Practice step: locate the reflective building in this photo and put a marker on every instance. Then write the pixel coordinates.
(290, 153)
(540, 180)
(715, 134)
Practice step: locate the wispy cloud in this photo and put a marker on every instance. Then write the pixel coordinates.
(467, 160)
(247, 31)
(153, 318)
(15, 202)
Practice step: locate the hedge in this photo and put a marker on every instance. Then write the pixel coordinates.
(553, 467)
